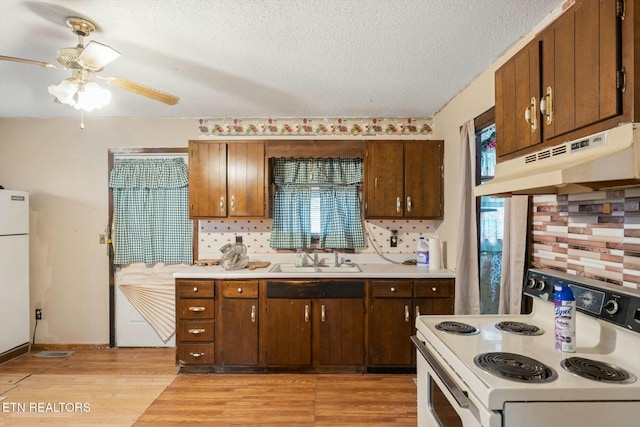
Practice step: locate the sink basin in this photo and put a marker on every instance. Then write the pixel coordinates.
(291, 268)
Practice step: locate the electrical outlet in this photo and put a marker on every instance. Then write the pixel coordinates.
(38, 314)
(393, 240)
(238, 239)
(102, 238)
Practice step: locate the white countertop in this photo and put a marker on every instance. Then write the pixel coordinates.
(372, 267)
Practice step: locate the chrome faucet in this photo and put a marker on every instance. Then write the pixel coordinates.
(337, 259)
(315, 258)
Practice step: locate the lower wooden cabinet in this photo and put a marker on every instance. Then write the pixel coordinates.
(314, 324)
(195, 316)
(302, 325)
(237, 326)
(395, 304)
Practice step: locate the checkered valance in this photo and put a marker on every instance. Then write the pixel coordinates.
(317, 171)
(151, 211)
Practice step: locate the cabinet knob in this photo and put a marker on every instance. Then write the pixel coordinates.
(239, 290)
(393, 289)
(195, 289)
(434, 289)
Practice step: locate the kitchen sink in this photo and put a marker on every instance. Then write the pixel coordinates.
(291, 268)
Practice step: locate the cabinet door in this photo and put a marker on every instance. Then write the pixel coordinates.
(581, 52)
(518, 91)
(239, 334)
(389, 330)
(288, 332)
(246, 179)
(423, 181)
(383, 179)
(341, 331)
(207, 179)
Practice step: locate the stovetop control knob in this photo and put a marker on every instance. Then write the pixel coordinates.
(611, 306)
(540, 285)
(531, 283)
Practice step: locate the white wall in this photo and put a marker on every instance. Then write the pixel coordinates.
(65, 171)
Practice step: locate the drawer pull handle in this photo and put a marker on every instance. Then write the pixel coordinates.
(197, 331)
(306, 313)
(409, 204)
(323, 313)
(407, 315)
(221, 205)
(233, 203)
(253, 314)
(398, 204)
(195, 289)
(239, 290)
(196, 355)
(417, 310)
(197, 309)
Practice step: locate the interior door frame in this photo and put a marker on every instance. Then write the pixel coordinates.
(112, 152)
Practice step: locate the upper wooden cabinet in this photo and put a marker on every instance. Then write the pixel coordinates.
(403, 179)
(227, 179)
(574, 79)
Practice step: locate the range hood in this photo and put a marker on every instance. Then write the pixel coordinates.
(606, 160)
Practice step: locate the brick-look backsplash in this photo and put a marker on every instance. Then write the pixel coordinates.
(595, 235)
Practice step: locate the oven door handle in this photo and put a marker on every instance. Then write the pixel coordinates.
(456, 392)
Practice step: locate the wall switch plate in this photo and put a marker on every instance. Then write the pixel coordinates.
(102, 238)
(38, 314)
(393, 240)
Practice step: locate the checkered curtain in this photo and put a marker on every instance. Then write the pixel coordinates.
(151, 211)
(340, 223)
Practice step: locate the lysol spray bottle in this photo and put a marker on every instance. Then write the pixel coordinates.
(565, 318)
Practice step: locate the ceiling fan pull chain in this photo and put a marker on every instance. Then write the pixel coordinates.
(81, 119)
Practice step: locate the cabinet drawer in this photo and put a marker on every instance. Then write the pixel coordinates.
(194, 289)
(195, 309)
(239, 289)
(195, 330)
(195, 354)
(391, 289)
(433, 288)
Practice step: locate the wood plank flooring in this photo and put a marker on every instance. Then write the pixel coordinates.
(140, 387)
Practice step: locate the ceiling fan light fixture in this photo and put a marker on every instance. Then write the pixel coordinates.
(82, 96)
(92, 97)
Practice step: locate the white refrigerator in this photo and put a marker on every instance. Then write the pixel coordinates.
(14, 271)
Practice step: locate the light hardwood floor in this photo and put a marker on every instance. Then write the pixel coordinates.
(140, 387)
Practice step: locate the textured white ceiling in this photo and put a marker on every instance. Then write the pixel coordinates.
(266, 58)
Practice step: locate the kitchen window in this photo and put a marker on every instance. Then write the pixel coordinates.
(317, 203)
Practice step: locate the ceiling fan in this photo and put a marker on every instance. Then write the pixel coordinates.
(85, 62)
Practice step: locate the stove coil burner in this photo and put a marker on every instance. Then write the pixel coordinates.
(597, 371)
(457, 328)
(515, 367)
(518, 328)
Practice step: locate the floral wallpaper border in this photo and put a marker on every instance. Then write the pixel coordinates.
(316, 126)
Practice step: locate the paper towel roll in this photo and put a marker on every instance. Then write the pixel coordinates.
(435, 254)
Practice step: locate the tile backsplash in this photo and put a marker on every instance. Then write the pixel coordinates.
(595, 235)
(255, 233)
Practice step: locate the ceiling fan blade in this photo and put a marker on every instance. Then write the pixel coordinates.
(29, 61)
(142, 90)
(96, 55)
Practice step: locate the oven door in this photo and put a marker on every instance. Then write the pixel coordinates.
(441, 402)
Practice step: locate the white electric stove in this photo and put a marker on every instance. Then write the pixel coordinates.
(472, 372)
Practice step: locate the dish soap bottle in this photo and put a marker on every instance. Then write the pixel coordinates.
(565, 318)
(422, 253)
